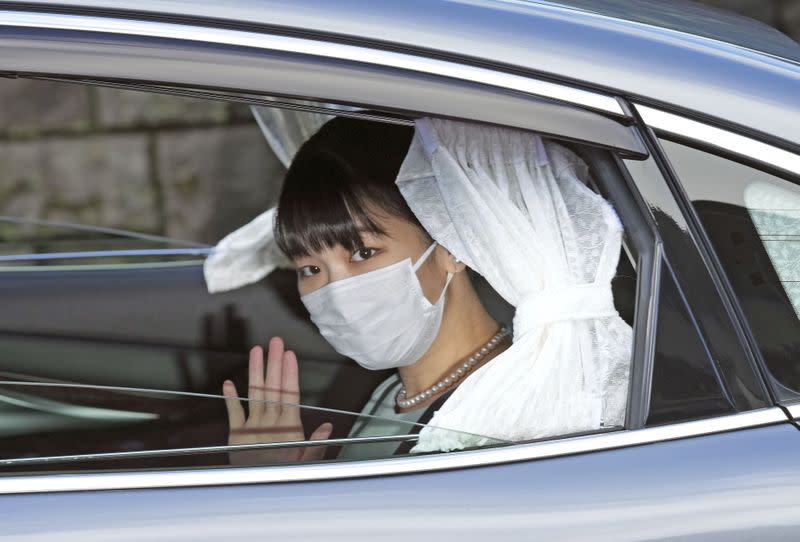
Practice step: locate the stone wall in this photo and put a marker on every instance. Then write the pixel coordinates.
(184, 168)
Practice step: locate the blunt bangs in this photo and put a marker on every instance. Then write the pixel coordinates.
(338, 181)
(320, 209)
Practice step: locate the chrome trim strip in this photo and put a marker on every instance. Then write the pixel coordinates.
(107, 254)
(339, 51)
(722, 139)
(794, 411)
(406, 465)
(169, 452)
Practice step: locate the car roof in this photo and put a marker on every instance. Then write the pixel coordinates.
(723, 67)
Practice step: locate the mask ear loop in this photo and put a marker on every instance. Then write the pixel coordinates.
(446, 284)
(421, 259)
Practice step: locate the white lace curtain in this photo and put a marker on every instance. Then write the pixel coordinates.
(775, 211)
(250, 253)
(286, 130)
(515, 209)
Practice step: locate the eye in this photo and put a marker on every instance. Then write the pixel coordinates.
(363, 253)
(308, 270)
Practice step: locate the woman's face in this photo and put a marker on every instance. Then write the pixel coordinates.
(402, 240)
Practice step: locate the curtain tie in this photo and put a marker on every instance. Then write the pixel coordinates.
(574, 302)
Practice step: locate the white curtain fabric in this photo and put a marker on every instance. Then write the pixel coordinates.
(286, 130)
(249, 254)
(516, 210)
(245, 256)
(775, 211)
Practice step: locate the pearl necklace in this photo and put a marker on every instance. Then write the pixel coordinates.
(457, 374)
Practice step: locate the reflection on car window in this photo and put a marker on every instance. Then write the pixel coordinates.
(753, 220)
(87, 169)
(58, 427)
(127, 360)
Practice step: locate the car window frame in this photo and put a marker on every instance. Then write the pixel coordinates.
(744, 148)
(472, 88)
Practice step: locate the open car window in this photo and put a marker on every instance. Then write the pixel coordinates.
(113, 353)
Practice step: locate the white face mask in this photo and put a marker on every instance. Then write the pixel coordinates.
(381, 319)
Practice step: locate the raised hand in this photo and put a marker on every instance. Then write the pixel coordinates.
(272, 416)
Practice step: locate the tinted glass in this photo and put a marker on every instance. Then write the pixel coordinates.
(686, 384)
(159, 328)
(91, 169)
(121, 193)
(61, 427)
(694, 327)
(753, 220)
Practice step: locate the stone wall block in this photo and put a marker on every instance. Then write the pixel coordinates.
(215, 180)
(31, 107)
(98, 180)
(124, 108)
(21, 188)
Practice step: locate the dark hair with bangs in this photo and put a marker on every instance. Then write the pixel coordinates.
(341, 174)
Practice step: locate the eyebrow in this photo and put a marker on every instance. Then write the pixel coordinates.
(364, 230)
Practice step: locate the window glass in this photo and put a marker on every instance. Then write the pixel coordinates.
(113, 353)
(61, 427)
(92, 169)
(685, 383)
(753, 220)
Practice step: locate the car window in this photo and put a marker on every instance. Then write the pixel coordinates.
(686, 380)
(56, 426)
(685, 384)
(112, 351)
(753, 220)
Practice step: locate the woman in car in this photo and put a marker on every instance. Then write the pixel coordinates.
(377, 286)
(366, 216)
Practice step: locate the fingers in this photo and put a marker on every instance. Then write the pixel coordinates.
(235, 411)
(274, 371)
(255, 390)
(290, 388)
(290, 378)
(316, 453)
(255, 383)
(322, 432)
(279, 383)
